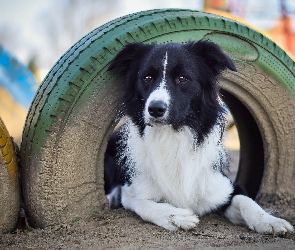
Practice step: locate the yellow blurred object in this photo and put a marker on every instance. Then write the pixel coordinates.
(13, 114)
(231, 139)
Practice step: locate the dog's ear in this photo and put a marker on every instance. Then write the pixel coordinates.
(212, 56)
(128, 58)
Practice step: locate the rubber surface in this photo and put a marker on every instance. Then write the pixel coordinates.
(73, 112)
(9, 183)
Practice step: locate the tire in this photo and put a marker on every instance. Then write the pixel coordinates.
(9, 183)
(73, 112)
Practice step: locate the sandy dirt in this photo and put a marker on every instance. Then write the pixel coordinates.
(121, 229)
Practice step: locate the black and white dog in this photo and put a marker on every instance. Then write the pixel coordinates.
(166, 162)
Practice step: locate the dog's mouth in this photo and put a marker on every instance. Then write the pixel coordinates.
(156, 122)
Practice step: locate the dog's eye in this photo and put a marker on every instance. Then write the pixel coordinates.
(148, 78)
(182, 79)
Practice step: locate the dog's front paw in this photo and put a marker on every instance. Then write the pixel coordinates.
(185, 219)
(269, 224)
(174, 218)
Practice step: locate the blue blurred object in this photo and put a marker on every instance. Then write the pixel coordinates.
(17, 79)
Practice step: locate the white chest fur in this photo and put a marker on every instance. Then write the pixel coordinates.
(171, 168)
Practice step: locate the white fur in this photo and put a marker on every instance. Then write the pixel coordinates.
(159, 94)
(113, 194)
(161, 214)
(244, 210)
(165, 63)
(171, 169)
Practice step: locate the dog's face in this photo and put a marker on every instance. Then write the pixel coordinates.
(172, 84)
(168, 83)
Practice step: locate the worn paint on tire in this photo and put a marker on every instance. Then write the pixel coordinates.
(9, 183)
(73, 112)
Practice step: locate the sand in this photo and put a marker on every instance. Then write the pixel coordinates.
(122, 229)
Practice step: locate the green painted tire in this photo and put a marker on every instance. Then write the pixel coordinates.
(73, 112)
(9, 183)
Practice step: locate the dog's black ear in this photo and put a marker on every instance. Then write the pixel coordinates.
(212, 55)
(128, 57)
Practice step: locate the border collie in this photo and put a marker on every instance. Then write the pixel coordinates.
(166, 161)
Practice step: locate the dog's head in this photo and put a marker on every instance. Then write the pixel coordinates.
(174, 84)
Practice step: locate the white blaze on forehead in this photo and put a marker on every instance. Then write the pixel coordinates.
(165, 62)
(160, 93)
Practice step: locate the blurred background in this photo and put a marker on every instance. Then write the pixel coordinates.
(35, 33)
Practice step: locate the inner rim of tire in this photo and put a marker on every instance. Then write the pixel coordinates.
(251, 163)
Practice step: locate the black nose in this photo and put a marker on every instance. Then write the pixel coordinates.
(157, 108)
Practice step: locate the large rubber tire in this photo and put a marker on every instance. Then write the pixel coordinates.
(73, 112)
(9, 183)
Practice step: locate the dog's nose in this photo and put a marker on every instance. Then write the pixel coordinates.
(157, 108)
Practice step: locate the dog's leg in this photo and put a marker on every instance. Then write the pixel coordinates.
(161, 214)
(243, 210)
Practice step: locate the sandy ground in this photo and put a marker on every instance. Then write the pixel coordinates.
(121, 229)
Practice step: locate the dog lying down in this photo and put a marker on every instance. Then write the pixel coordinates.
(166, 162)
